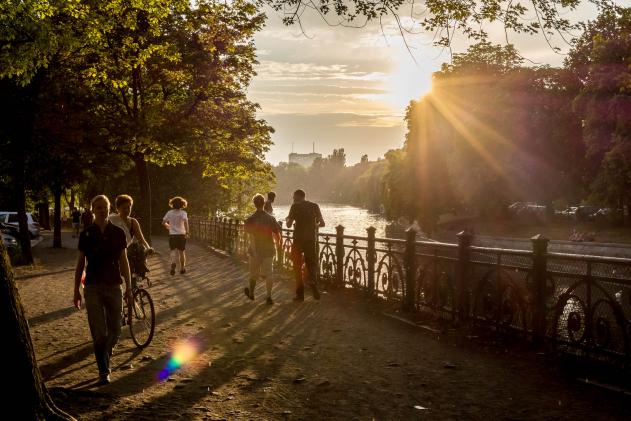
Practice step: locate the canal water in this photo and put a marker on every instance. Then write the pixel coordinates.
(355, 220)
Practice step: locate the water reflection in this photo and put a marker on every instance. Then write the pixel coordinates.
(355, 220)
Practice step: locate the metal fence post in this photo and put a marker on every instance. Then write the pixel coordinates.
(237, 240)
(371, 257)
(230, 236)
(539, 275)
(339, 255)
(462, 273)
(217, 233)
(410, 268)
(222, 244)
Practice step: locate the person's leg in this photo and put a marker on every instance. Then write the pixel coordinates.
(266, 273)
(182, 261)
(174, 252)
(254, 266)
(98, 328)
(113, 300)
(311, 263)
(182, 249)
(296, 257)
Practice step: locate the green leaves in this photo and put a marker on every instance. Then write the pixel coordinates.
(444, 18)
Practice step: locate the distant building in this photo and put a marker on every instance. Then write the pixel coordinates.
(304, 159)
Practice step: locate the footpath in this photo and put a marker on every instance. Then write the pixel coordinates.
(336, 359)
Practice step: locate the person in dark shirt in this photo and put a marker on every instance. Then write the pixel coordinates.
(76, 222)
(268, 203)
(87, 217)
(103, 246)
(308, 218)
(263, 232)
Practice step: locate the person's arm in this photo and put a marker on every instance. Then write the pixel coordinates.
(276, 233)
(186, 227)
(251, 248)
(123, 263)
(78, 272)
(319, 219)
(135, 226)
(289, 221)
(165, 222)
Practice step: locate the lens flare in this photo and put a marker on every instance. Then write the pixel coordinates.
(183, 353)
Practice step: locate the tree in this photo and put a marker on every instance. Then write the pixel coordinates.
(171, 85)
(600, 61)
(17, 109)
(421, 170)
(27, 384)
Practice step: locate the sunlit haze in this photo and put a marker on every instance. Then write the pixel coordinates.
(345, 87)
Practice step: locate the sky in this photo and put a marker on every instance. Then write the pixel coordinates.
(328, 87)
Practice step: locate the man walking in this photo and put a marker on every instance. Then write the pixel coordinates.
(263, 231)
(307, 217)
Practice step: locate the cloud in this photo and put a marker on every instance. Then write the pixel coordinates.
(291, 89)
(372, 121)
(347, 87)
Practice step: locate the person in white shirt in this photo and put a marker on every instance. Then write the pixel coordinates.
(176, 222)
(123, 220)
(137, 246)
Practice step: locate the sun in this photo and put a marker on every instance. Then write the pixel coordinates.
(408, 81)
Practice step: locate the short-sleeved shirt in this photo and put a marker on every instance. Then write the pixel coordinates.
(87, 218)
(305, 214)
(102, 250)
(176, 218)
(262, 225)
(76, 217)
(118, 221)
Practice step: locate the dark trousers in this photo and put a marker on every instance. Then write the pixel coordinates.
(104, 304)
(304, 251)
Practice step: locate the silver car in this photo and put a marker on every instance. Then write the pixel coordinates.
(11, 218)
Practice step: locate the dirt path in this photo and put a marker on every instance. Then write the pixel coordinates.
(339, 358)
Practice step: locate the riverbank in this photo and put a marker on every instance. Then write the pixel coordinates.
(559, 231)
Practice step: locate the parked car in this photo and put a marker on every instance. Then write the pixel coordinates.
(569, 212)
(12, 230)
(603, 212)
(517, 206)
(11, 218)
(528, 211)
(584, 212)
(10, 243)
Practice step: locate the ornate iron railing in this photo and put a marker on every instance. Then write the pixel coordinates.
(578, 303)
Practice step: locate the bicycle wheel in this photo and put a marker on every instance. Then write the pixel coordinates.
(143, 318)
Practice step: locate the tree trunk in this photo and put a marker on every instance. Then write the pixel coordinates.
(44, 217)
(72, 199)
(57, 221)
(26, 388)
(144, 207)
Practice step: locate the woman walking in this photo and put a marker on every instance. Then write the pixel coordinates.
(123, 220)
(176, 221)
(103, 246)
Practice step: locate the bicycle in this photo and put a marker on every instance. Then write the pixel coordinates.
(139, 312)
